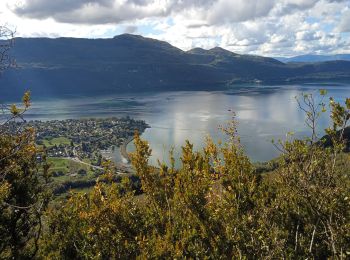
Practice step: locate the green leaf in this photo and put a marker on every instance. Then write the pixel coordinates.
(14, 110)
(323, 92)
(347, 102)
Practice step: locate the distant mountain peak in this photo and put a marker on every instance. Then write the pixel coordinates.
(139, 40)
(217, 48)
(221, 51)
(198, 51)
(214, 51)
(128, 36)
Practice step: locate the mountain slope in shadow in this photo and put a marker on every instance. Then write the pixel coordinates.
(129, 63)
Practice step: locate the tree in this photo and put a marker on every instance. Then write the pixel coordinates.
(6, 42)
(215, 205)
(313, 188)
(23, 194)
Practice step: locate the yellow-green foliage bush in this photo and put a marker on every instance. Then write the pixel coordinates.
(214, 206)
(23, 194)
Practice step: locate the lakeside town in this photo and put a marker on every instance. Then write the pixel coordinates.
(82, 139)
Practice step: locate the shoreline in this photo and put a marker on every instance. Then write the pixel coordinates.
(123, 150)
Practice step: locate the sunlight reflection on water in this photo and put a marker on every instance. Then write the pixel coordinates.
(263, 113)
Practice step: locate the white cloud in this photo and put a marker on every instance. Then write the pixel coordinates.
(239, 10)
(265, 27)
(344, 25)
(300, 4)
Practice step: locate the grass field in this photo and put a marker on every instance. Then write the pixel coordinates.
(66, 172)
(59, 164)
(67, 166)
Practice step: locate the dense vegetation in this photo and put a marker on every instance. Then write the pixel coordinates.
(214, 206)
(23, 193)
(129, 63)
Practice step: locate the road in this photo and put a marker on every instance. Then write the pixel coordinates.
(74, 159)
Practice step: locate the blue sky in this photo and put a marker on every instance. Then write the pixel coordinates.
(263, 27)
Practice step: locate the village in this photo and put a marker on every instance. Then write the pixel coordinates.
(82, 138)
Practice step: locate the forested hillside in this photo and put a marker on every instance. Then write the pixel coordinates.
(129, 63)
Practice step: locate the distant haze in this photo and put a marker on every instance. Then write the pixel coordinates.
(315, 58)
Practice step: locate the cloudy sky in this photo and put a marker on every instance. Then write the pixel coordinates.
(264, 27)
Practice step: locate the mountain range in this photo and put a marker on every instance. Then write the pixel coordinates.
(129, 63)
(315, 58)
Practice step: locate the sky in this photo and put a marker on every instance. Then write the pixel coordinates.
(262, 27)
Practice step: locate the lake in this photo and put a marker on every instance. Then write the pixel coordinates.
(263, 113)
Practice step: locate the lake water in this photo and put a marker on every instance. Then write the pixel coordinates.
(263, 113)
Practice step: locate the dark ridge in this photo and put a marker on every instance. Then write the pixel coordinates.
(129, 63)
(198, 51)
(221, 51)
(315, 58)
